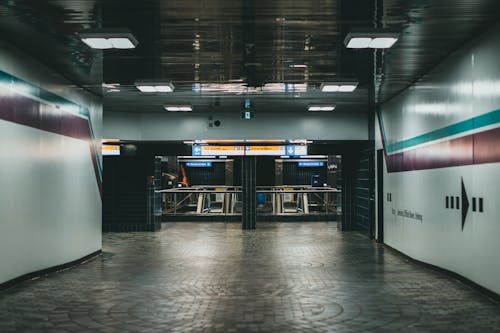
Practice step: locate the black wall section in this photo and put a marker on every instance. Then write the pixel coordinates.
(380, 196)
(357, 186)
(248, 180)
(125, 185)
(265, 171)
(362, 193)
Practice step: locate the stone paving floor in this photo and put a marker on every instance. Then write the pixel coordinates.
(214, 277)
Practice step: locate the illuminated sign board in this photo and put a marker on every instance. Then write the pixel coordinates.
(110, 150)
(264, 150)
(199, 164)
(218, 150)
(311, 164)
(291, 150)
(296, 150)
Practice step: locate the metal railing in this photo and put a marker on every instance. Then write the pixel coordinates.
(271, 200)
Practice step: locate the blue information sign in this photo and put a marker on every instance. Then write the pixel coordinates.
(311, 164)
(290, 150)
(197, 151)
(199, 164)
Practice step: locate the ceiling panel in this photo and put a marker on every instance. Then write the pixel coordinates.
(253, 41)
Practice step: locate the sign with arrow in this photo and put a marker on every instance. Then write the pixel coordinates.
(465, 204)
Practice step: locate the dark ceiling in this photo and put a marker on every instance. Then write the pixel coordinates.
(254, 41)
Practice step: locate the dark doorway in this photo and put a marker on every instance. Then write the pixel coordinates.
(380, 196)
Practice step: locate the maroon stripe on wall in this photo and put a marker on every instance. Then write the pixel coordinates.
(25, 111)
(478, 148)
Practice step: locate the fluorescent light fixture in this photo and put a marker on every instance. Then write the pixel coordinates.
(347, 88)
(321, 108)
(121, 43)
(359, 43)
(105, 39)
(178, 108)
(330, 88)
(98, 43)
(339, 86)
(374, 40)
(383, 42)
(146, 88)
(154, 86)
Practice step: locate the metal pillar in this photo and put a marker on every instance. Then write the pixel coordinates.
(248, 190)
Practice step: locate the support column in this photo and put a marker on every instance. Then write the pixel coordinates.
(248, 188)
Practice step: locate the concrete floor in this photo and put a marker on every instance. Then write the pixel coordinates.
(216, 278)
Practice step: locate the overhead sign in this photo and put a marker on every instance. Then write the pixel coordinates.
(110, 150)
(291, 150)
(311, 164)
(264, 150)
(199, 164)
(218, 150)
(296, 150)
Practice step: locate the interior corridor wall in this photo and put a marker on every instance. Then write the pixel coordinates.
(50, 168)
(189, 126)
(441, 139)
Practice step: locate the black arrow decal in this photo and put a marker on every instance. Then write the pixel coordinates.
(465, 204)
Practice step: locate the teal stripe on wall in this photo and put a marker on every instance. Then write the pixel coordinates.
(486, 119)
(49, 98)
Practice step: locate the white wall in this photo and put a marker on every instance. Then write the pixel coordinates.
(465, 86)
(50, 205)
(186, 126)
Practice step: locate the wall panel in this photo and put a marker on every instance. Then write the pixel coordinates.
(442, 131)
(50, 168)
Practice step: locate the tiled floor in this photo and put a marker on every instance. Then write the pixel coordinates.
(216, 278)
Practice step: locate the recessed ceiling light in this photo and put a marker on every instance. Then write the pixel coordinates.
(321, 108)
(347, 88)
(339, 86)
(330, 88)
(383, 42)
(298, 66)
(178, 108)
(109, 39)
(154, 86)
(121, 43)
(359, 43)
(97, 43)
(374, 40)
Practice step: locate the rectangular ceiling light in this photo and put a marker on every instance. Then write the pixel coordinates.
(97, 43)
(298, 66)
(178, 108)
(359, 43)
(154, 87)
(339, 86)
(321, 108)
(374, 40)
(105, 39)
